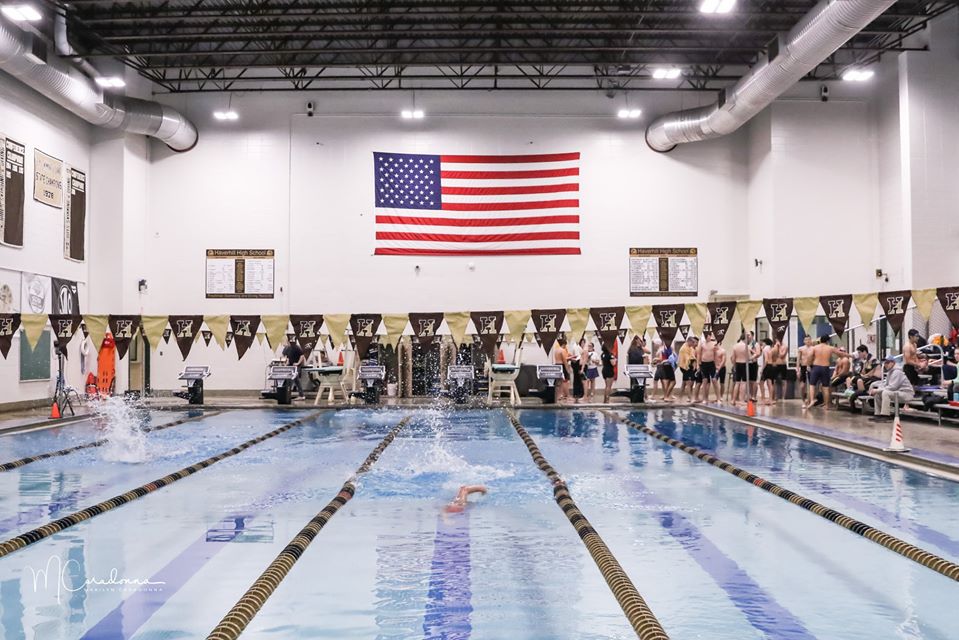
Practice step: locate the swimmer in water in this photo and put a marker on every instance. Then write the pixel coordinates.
(459, 502)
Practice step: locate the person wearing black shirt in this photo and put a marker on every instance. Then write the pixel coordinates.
(636, 353)
(609, 372)
(294, 357)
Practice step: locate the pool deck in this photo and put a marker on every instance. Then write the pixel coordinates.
(933, 448)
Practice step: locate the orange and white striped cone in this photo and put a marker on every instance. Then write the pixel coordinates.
(896, 443)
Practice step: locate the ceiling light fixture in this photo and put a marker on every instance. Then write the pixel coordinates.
(412, 114)
(111, 83)
(666, 73)
(717, 6)
(21, 12)
(226, 115)
(629, 114)
(858, 75)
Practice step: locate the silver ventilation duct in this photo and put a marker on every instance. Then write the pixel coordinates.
(80, 95)
(820, 32)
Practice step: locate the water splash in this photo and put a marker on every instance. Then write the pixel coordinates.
(120, 424)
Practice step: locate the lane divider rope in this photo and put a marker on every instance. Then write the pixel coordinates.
(903, 548)
(237, 619)
(35, 535)
(642, 619)
(15, 464)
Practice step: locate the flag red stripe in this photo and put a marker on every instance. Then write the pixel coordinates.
(509, 175)
(538, 251)
(477, 222)
(500, 191)
(541, 157)
(491, 237)
(509, 206)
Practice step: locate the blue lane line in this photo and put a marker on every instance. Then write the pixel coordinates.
(450, 597)
(760, 608)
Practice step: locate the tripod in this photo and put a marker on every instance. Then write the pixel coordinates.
(61, 396)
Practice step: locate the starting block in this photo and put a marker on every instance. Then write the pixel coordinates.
(193, 390)
(638, 375)
(461, 376)
(549, 373)
(281, 379)
(371, 376)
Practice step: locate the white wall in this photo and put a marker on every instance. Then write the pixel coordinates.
(37, 123)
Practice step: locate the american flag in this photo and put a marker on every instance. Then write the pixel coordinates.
(477, 205)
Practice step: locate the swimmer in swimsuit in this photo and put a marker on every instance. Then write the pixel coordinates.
(458, 503)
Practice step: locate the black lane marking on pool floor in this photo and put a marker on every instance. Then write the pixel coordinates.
(642, 619)
(16, 464)
(903, 548)
(237, 618)
(23, 540)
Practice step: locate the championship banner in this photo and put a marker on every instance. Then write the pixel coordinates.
(9, 323)
(48, 180)
(866, 306)
(895, 303)
(607, 321)
(12, 191)
(488, 326)
(395, 325)
(153, 328)
(425, 326)
(778, 311)
(668, 317)
(306, 330)
(457, 322)
(123, 328)
(336, 327)
(166, 335)
(837, 311)
(806, 309)
(244, 331)
(75, 216)
(748, 309)
(219, 325)
(548, 323)
(65, 296)
(97, 328)
(207, 336)
(275, 327)
(924, 299)
(578, 318)
(949, 299)
(720, 315)
(696, 313)
(33, 325)
(185, 332)
(517, 321)
(64, 327)
(364, 327)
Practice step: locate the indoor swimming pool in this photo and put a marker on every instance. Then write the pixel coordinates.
(713, 556)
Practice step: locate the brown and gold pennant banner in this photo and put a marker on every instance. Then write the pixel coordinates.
(169, 332)
(97, 328)
(577, 318)
(668, 318)
(924, 299)
(866, 306)
(33, 325)
(720, 315)
(306, 330)
(778, 312)
(185, 331)
(153, 328)
(9, 324)
(244, 332)
(517, 321)
(488, 325)
(207, 336)
(607, 321)
(949, 299)
(747, 311)
(395, 325)
(124, 328)
(364, 327)
(336, 326)
(894, 304)
(696, 313)
(806, 309)
(275, 327)
(228, 338)
(64, 328)
(684, 330)
(548, 323)
(638, 317)
(426, 326)
(837, 310)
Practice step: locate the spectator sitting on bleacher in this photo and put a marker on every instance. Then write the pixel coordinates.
(866, 370)
(895, 388)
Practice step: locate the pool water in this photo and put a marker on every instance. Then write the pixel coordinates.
(713, 556)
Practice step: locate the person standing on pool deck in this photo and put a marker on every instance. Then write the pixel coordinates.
(577, 354)
(820, 373)
(593, 363)
(706, 354)
(609, 372)
(803, 360)
(294, 357)
(740, 370)
(721, 370)
(910, 357)
(561, 357)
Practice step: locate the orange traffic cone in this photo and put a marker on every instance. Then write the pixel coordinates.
(339, 361)
(750, 408)
(54, 411)
(896, 443)
(501, 357)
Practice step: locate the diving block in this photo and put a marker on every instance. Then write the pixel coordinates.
(549, 373)
(638, 375)
(462, 376)
(194, 376)
(281, 377)
(371, 376)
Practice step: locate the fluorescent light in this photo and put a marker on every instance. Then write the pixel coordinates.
(21, 12)
(717, 6)
(666, 73)
(418, 114)
(412, 114)
(635, 113)
(406, 114)
(631, 114)
(622, 113)
(226, 115)
(858, 75)
(111, 83)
